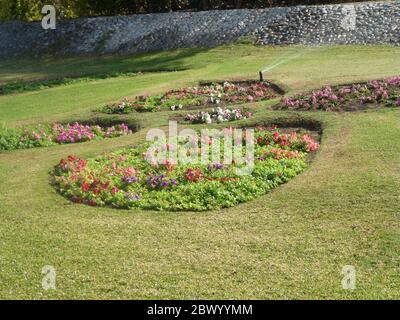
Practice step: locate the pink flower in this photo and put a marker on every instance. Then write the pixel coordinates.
(114, 190)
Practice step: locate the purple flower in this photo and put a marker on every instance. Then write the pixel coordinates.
(132, 196)
(215, 166)
(129, 180)
(160, 182)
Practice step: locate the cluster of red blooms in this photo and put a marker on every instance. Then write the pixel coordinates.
(193, 175)
(312, 145)
(281, 153)
(72, 163)
(285, 140)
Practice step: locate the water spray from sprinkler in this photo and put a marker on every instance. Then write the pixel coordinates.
(289, 58)
(283, 61)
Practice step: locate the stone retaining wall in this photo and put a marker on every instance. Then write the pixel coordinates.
(361, 23)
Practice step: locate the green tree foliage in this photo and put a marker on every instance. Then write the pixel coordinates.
(29, 10)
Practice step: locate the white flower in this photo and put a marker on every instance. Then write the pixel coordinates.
(207, 118)
(172, 108)
(220, 118)
(180, 106)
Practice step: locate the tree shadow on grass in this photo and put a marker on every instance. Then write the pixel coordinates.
(40, 73)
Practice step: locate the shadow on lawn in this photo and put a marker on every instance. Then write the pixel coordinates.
(85, 68)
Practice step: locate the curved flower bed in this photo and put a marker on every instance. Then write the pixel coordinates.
(46, 135)
(130, 178)
(218, 115)
(347, 98)
(207, 95)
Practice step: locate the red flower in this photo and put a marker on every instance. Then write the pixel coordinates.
(105, 185)
(81, 164)
(95, 183)
(85, 186)
(63, 165)
(114, 190)
(193, 175)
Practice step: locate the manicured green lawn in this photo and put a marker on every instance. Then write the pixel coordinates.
(291, 243)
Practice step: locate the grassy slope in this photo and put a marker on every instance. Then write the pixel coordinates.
(315, 67)
(291, 243)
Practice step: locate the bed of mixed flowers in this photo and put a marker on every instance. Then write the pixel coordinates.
(130, 178)
(205, 95)
(47, 135)
(347, 98)
(218, 115)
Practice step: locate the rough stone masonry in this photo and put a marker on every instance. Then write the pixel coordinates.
(360, 23)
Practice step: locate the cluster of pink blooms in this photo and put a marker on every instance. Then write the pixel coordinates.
(38, 134)
(72, 133)
(347, 97)
(75, 132)
(312, 145)
(116, 131)
(272, 137)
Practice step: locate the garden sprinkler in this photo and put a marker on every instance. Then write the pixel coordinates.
(261, 76)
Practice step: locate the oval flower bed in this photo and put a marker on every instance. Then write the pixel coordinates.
(48, 135)
(218, 115)
(205, 95)
(347, 98)
(127, 179)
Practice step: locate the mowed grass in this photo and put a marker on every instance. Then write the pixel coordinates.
(291, 243)
(312, 68)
